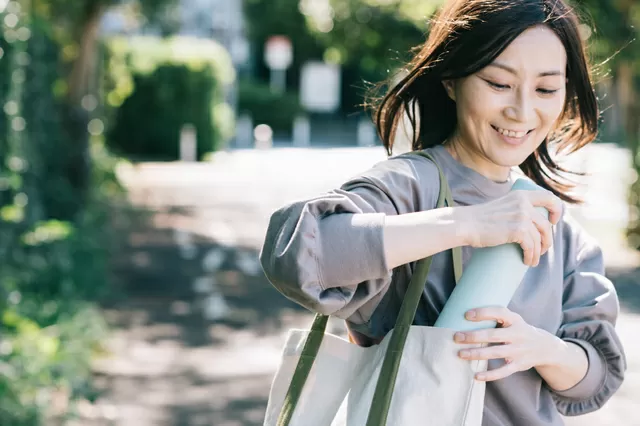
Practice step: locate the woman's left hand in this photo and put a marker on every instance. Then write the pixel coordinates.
(521, 345)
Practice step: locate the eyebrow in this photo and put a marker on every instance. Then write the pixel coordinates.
(513, 71)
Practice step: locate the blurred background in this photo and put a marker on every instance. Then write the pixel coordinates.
(144, 145)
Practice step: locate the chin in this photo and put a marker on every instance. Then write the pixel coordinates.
(512, 159)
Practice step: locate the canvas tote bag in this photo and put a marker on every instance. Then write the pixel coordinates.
(414, 377)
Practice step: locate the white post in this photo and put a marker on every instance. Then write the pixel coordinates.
(263, 136)
(278, 55)
(188, 143)
(301, 131)
(366, 133)
(278, 80)
(244, 131)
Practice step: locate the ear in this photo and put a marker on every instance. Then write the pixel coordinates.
(449, 87)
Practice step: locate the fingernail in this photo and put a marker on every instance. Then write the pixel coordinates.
(480, 376)
(471, 314)
(459, 337)
(465, 354)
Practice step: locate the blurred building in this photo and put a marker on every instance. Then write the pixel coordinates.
(221, 20)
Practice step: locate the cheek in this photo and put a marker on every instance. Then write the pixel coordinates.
(552, 111)
(478, 107)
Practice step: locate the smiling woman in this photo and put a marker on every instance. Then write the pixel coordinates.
(507, 109)
(532, 54)
(500, 85)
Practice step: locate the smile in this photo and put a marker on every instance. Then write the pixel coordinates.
(517, 134)
(512, 137)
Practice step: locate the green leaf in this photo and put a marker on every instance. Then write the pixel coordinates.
(12, 213)
(48, 232)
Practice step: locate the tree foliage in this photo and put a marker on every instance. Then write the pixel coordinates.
(368, 38)
(372, 38)
(55, 230)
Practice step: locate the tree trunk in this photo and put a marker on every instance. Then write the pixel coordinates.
(83, 66)
(628, 105)
(75, 117)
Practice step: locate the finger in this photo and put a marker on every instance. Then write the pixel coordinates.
(490, 352)
(528, 249)
(497, 374)
(537, 244)
(500, 314)
(525, 242)
(491, 335)
(544, 228)
(549, 201)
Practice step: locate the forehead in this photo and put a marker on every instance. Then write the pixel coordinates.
(536, 50)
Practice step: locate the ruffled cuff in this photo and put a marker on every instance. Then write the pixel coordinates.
(593, 381)
(604, 376)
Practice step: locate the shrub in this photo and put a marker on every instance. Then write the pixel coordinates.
(155, 86)
(278, 110)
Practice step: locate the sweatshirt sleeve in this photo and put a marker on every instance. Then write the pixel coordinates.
(590, 311)
(327, 253)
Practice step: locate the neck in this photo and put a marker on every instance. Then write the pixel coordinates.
(474, 160)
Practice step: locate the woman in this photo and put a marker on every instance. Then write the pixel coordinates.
(498, 84)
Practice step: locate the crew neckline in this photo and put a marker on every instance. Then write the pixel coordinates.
(482, 183)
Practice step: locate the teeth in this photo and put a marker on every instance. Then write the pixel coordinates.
(511, 133)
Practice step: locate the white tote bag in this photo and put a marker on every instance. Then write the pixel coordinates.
(414, 377)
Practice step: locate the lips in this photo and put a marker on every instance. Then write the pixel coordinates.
(512, 137)
(511, 133)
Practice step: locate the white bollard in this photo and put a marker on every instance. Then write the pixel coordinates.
(188, 143)
(301, 131)
(244, 131)
(263, 135)
(366, 133)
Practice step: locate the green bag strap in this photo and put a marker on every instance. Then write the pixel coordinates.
(389, 371)
(386, 381)
(445, 192)
(307, 357)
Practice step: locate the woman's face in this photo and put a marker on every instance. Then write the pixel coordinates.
(507, 109)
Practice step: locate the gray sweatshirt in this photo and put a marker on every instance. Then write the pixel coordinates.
(317, 255)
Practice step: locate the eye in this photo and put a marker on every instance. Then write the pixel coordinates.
(497, 86)
(547, 91)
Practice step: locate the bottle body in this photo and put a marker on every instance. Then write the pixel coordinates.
(490, 278)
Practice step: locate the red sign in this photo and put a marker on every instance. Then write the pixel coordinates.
(278, 52)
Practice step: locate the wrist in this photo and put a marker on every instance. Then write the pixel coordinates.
(567, 364)
(465, 225)
(556, 353)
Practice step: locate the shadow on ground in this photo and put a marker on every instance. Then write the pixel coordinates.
(171, 363)
(153, 273)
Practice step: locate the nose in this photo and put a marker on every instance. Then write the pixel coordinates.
(521, 107)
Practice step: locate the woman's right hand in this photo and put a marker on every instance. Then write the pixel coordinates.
(513, 218)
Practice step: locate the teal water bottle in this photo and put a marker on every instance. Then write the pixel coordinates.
(490, 278)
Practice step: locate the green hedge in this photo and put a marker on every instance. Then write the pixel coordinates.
(278, 110)
(155, 86)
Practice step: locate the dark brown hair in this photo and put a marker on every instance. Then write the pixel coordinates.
(468, 35)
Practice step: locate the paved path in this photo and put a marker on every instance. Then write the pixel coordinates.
(198, 330)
